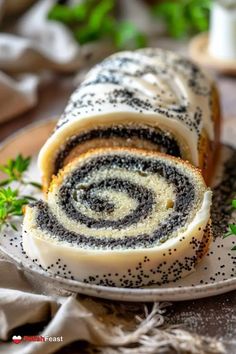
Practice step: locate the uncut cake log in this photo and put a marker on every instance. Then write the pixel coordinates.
(121, 217)
(149, 98)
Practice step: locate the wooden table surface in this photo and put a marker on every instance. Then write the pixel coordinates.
(215, 316)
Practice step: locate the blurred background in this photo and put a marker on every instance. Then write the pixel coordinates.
(46, 46)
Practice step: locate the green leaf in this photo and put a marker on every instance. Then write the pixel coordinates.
(198, 17)
(108, 27)
(35, 184)
(128, 35)
(233, 228)
(99, 13)
(29, 197)
(184, 17)
(15, 168)
(164, 8)
(227, 234)
(13, 226)
(86, 34)
(17, 212)
(10, 205)
(99, 24)
(7, 195)
(91, 20)
(17, 204)
(3, 212)
(61, 13)
(21, 164)
(80, 12)
(174, 15)
(4, 182)
(231, 232)
(234, 203)
(5, 169)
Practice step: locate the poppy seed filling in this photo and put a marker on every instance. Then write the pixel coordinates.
(183, 187)
(143, 196)
(156, 136)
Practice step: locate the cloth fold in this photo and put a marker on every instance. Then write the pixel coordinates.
(108, 327)
(19, 308)
(17, 94)
(35, 45)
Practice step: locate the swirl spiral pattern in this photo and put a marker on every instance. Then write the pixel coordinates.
(121, 217)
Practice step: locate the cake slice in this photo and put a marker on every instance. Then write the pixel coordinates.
(121, 217)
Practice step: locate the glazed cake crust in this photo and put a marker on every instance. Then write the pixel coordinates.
(148, 88)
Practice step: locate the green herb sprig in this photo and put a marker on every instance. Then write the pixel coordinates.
(232, 227)
(15, 169)
(11, 200)
(10, 205)
(184, 18)
(92, 20)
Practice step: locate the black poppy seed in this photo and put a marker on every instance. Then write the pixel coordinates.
(127, 242)
(156, 136)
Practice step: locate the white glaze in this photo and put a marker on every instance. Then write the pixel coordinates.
(162, 80)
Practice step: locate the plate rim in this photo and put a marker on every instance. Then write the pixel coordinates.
(148, 293)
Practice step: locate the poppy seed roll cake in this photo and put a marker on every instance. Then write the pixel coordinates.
(149, 99)
(121, 217)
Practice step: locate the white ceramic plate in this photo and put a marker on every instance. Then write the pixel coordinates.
(215, 274)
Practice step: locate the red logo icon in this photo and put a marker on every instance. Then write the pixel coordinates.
(17, 339)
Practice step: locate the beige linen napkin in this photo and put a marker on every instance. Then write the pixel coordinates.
(108, 327)
(34, 45)
(16, 94)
